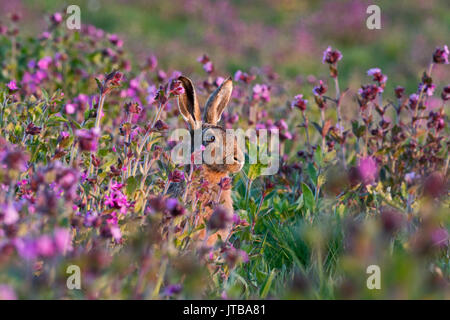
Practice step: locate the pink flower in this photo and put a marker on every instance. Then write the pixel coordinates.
(12, 86)
(369, 92)
(203, 59)
(243, 76)
(45, 246)
(56, 18)
(208, 67)
(88, 139)
(428, 89)
(225, 183)
(439, 237)
(220, 218)
(116, 233)
(9, 213)
(299, 102)
(176, 88)
(176, 176)
(413, 100)
(261, 92)
(45, 35)
(399, 91)
(219, 81)
(117, 200)
(331, 56)
(320, 90)
(377, 75)
(7, 292)
(115, 40)
(70, 108)
(446, 93)
(411, 177)
(367, 169)
(44, 63)
(116, 186)
(206, 62)
(26, 248)
(63, 240)
(440, 55)
(152, 62)
(174, 208)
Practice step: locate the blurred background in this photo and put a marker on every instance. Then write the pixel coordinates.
(294, 246)
(287, 36)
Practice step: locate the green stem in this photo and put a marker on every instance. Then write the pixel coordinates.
(162, 272)
(247, 191)
(148, 135)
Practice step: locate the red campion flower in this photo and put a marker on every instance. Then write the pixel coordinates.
(225, 183)
(299, 102)
(369, 92)
(367, 170)
(32, 129)
(111, 81)
(377, 76)
(446, 93)
(176, 176)
(320, 90)
(331, 56)
(12, 86)
(440, 55)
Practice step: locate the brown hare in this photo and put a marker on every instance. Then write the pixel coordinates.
(213, 138)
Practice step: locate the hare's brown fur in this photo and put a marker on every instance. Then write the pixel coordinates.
(214, 172)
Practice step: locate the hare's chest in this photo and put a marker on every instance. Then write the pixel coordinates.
(211, 197)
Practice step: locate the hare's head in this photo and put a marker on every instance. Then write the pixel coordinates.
(220, 154)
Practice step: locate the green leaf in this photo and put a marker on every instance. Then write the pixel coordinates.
(318, 157)
(45, 94)
(358, 130)
(56, 120)
(255, 170)
(266, 288)
(76, 124)
(132, 185)
(109, 159)
(299, 203)
(318, 127)
(308, 197)
(99, 84)
(312, 173)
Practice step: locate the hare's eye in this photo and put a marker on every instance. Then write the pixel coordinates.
(210, 139)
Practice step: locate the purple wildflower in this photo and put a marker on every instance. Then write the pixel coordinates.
(320, 90)
(261, 92)
(63, 240)
(56, 18)
(367, 169)
(299, 102)
(440, 55)
(12, 86)
(88, 139)
(7, 292)
(377, 75)
(44, 63)
(176, 176)
(331, 56)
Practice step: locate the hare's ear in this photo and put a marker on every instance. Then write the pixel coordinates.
(188, 104)
(218, 101)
